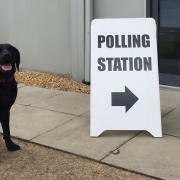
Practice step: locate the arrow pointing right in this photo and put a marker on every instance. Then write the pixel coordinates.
(126, 98)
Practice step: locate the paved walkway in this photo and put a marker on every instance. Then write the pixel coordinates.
(61, 120)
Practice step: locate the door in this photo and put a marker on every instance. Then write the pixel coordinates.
(169, 42)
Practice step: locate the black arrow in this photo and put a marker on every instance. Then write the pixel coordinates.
(126, 98)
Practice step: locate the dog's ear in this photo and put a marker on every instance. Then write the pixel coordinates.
(16, 55)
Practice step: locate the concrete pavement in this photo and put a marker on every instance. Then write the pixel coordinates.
(61, 120)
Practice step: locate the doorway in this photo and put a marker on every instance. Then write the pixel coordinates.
(167, 15)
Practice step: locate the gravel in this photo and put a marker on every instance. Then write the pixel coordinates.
(34, 162)
(51, 81)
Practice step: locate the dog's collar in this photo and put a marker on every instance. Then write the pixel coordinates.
(7, 80)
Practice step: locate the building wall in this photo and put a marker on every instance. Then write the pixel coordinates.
(4, 21)
(41, 30)
(119, 8)
(53, 36)
(114, 9)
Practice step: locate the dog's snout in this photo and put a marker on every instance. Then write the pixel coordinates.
(6, 56)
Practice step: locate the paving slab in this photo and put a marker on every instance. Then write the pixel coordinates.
(170, 97)
(157, 157)
(86, 115)
(171, 123)
(67, 102)
(166, 110)
(21, 85)
(62, 120)
(28, 95)
(75, 137)
(31, 122)
(15, 109)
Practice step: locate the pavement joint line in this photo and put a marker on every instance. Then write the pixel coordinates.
(171, 135)
(51, 96)
(86, 157)
(165, 87)
(29, 105)
(82, 114)
(169, 111)
(55, 110)
(132, 171)
(122, 144)
(66, 122)
(53, 128)
(23, 104)
(21, 86)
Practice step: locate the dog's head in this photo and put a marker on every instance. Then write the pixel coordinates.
(9, 60)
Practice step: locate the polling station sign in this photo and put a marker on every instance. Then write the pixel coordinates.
(124, 76)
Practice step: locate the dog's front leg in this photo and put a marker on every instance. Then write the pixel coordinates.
(11, 146)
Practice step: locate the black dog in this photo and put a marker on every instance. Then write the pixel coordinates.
(9, 62)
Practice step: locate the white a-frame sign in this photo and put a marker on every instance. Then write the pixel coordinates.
(124, 76)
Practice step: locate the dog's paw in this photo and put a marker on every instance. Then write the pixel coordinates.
(12, 146)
